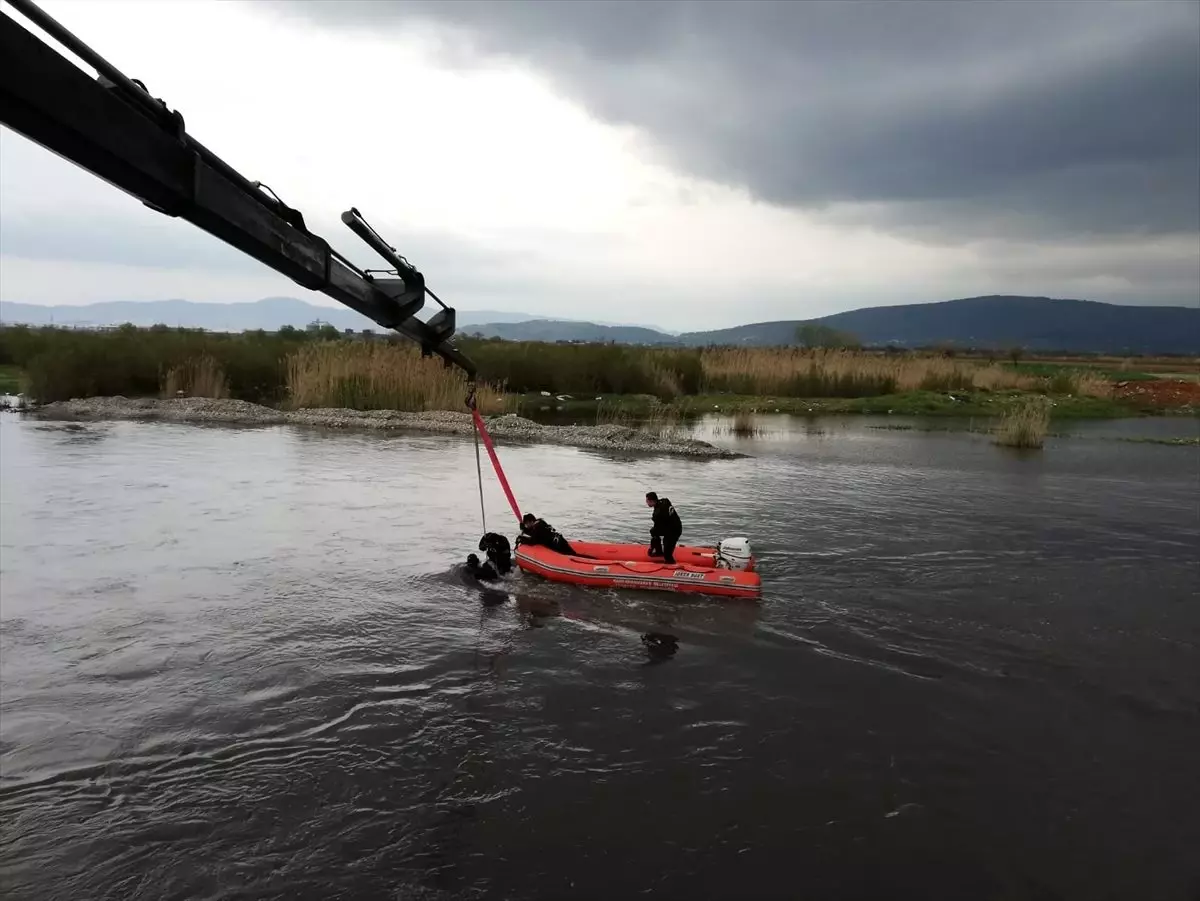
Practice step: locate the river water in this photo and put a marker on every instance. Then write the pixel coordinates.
(241, 663)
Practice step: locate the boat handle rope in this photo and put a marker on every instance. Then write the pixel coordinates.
(481, 431)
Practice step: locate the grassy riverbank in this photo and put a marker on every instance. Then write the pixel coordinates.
(284, 370)
(291, 369)
(913, 403)
(10, 379)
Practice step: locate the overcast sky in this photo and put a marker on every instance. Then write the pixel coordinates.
(682, 164)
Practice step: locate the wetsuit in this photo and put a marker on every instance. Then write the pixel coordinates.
(498, 552)
(541, 532)
(485, 572)
(665, 530)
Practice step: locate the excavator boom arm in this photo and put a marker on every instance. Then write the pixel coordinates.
(113, 128)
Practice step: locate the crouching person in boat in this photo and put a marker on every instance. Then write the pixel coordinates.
(665, 528)
(538, 531)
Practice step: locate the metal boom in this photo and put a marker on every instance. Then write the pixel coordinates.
(112, 127)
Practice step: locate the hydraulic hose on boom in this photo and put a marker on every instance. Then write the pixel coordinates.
(111, 126)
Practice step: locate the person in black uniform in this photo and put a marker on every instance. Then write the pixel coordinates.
(498, 552)
(485, 572)
(665, 528)
(538, 531)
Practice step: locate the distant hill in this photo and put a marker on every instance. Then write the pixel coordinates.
(563, 330)
(270, 314)
(996, 322)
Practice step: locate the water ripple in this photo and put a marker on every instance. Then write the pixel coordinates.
(269, 679)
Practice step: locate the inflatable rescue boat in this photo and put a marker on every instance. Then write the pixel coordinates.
(727, 570)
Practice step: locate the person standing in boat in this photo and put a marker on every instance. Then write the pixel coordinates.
(665, 529)
(538, 531)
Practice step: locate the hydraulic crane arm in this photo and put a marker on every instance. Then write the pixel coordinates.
(112, 127)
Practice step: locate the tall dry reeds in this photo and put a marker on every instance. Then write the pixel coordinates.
(795, 372)
(664, 382)
(1024, 424)
(262, 367)
(1090, 384)
(1001, 378)
(378, 376)
(612, 413)
(743, 424)
(662, 420)
(200, 376)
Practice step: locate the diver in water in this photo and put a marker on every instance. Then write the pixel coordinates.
(538, 531)
(499, 552)
(660, 645)
(484, 572)
(665, 529)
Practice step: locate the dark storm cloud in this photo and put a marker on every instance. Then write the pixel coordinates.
(1027, 119)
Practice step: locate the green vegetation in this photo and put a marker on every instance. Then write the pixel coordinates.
(378, 376)
(660, 420)
(1173, 442)
(815, 335)
(10, 379)
(595, 381)
(913, 403)
(1048, 369)
(586, 369)
(260, 367)
(62, 363)
(1024, 424)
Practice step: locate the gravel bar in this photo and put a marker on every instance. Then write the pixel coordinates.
(509, 426)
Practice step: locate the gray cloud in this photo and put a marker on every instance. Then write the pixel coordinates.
(54, 213)
(139, 237)
(463, 272)
(956, 120)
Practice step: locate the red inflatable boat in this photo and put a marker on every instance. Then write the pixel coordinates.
(727, 571)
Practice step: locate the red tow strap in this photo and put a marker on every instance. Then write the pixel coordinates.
(487, 442)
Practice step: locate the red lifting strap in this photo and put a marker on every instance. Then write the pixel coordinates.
(487, 442)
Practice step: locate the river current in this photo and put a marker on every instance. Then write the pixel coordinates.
(243, 663)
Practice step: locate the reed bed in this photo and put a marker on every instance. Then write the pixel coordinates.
(612, 413)
(1024, 424)
(742, 424)
(200, 376)
(794, 372)
(299, 368)
(379, 376)
(1089, 384)
(662, 420)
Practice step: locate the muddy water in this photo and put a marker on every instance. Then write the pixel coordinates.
(241, 663)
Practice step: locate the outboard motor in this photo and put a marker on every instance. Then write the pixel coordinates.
(734, 553)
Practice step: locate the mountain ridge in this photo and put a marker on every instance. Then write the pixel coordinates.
(985, 322)
(268, 313)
